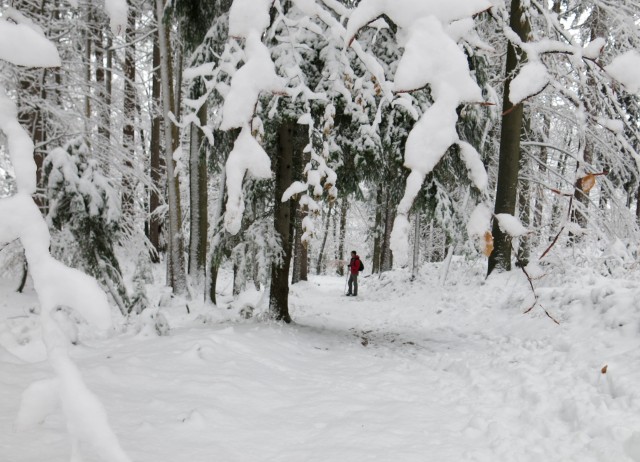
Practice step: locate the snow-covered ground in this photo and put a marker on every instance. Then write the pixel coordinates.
(408, 371)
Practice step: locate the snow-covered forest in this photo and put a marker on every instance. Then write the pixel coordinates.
(182, 184)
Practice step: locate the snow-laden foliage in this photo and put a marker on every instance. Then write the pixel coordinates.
(85, 203)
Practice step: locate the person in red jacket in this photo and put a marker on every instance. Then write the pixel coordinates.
(354, 269)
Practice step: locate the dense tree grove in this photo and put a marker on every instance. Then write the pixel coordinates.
(261, 134)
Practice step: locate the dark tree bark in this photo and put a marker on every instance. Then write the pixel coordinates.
(509, 163)
(377, 232)
(386, 256)
(128, 129)
(198, 198)
(155, 157)
(283, 220)
(344, 209)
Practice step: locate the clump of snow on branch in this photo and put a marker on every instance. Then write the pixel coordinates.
(626, 70)
(511, 225)
(247, 20)
(479, 221)
(117, 10)
(257, 75)
(431, 58)
(248, 16)
(247, 156)
(594, 48)
(23, 44)
(531, 80)
(477, 172)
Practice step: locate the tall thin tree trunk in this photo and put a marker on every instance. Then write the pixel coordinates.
(216, 254)
(324, 240)
(538, 214)
(416, 246)
(344, 209)
(198, 197)
(155, 159)
(377, 232)
(283, 222)
(175, 263)
(509, 163)
(128, 129)
(386, 256)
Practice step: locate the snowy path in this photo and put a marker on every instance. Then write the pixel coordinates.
(403, 373)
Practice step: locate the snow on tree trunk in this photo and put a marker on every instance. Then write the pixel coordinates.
(509, 163)
(175, 263)
(198, 198)
(129, 112)
(155, 159)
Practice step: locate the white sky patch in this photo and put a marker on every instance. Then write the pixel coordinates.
(626, 70)
(247, 156)
(511, 225)
(533, 77)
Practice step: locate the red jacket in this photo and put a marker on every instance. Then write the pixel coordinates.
(354, 264)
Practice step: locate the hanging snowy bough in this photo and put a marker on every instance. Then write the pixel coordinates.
(247, 156)
(240, 103)
(432, 58)
(477, 172)
(55, 284)
(248, 16)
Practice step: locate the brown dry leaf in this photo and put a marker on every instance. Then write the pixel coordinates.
(587, 182)
(488, 244)
(604, 369)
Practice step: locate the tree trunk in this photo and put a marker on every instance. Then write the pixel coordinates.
(377, 232)
(386, 256)
(297, 245)
(283, 222)
(198, 197)
(155, 159)
(324, 240)
(509, 163)
(128, 129)
(344, 208)
(538, 213)
(416, 246)
(215, 257)
(175, 263)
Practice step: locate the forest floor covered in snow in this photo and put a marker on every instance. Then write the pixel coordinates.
(407, 371)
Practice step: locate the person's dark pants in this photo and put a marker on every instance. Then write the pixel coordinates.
(353, 282)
